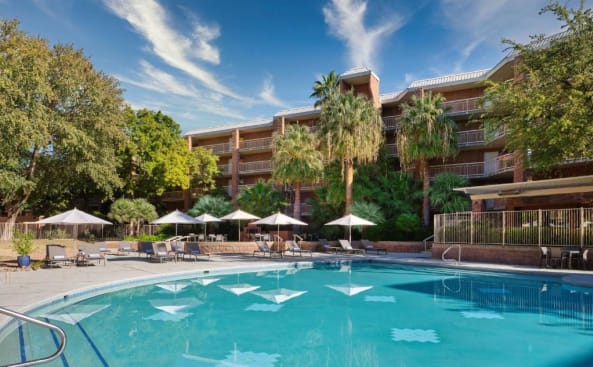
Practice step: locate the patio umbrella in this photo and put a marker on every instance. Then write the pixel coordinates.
(176, 218)
(205, 218)
(239, 215)
(350, 220)
(278, 220)
(73, 217)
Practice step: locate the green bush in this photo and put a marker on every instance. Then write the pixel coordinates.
(22, 243)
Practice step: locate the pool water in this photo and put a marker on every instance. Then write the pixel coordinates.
(339, 314)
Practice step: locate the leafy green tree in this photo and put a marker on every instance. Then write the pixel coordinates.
(60, 119)
(425, 133)
(133, 212)
(350, 131)
(261, 199)
(547, 113)
(442, 196)
(326, 89)
(217, 206)
(295, 160)
(203, 166)
(369, 211)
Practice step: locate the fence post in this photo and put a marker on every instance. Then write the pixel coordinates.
(582, 226)
(539, 227)
(503, 226)
(471, 231)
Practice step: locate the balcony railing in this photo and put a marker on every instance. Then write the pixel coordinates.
(492, 167)
(390, 122)
(391, 150)
(222, 148)
(470, 138)
(460, 106)
(306, 209)
(172, 196)
(225, 169)
(256, 144)
(254, 167)
(307, 186)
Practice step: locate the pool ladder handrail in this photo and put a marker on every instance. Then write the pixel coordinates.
(425, 241)
(448, 249)
(55, 328)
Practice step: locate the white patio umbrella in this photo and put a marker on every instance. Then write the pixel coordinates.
(350, 220)
(278, 220)
(74, 217)
(239, 215)
(206, 218)
(177, 217)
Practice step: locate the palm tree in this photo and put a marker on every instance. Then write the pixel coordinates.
(444, 198)
(214, 205)
(326, 89)
(261, 199)
(296, 159)
(350, 131)
(425, 133)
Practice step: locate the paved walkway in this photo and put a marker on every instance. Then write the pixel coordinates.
(25, 290)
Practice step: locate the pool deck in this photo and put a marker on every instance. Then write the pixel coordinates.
(23, 291)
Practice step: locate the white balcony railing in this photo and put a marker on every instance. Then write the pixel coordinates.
(256, 144)
(225, 169)
(460, 106)
(492, 167)
(391, 150)
(254, 167)
(222, 148)
(470, 138)
(390, 122)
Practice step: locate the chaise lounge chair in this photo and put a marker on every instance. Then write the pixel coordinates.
(193, 249)
(368, 246)
(90, 252)
(146, 247)
(294, 247)
(161, 252)
(264, 248)
(55, 255)
(347, 247)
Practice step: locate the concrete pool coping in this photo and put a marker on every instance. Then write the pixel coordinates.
(26, 291)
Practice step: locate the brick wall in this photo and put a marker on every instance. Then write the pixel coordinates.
(515, 255)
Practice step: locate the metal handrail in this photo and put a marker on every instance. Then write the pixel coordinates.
(426, 240)
(448, 249)
(55, 328)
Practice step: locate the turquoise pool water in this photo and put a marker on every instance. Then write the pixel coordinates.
(330, 315)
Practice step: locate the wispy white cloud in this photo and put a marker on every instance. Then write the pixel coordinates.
(345, 19)
(150, 20)
(157, 80)
(267, 93)
(477, 23)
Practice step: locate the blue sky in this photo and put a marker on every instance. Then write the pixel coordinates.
(212, 62)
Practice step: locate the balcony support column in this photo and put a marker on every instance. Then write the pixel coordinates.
(235, 166)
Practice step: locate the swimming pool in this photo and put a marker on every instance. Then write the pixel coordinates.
(339, 314)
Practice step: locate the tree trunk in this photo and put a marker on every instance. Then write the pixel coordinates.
(349, 179)
(296, 211)
(425, 199)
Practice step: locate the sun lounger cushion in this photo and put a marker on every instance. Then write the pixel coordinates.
(59, 257)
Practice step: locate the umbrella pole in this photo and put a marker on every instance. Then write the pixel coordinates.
(239, 230)
(205, 231)
(350, 235)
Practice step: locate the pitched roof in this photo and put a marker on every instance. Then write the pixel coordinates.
(230, 127)
(298, 111)
(452, 79)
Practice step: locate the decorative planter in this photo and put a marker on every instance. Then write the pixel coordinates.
(23, 260)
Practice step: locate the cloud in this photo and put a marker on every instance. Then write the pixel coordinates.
(345, 19)
(267, 93)
(150, 20)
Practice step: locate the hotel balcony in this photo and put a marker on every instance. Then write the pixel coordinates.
(306, 210)
(492, 167)
(172, 196)
(225, 169)
(391, 150)
(470, 138)
(219, 149)
(307, 186)
(255, 167)
(390, 122)
(462, 106)
(255, 145)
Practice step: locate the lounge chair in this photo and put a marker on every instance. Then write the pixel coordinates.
(368, 246)
(161, 252)
(193, 249)
(545, 257)
(347, 247)
(177, 248)
(55, 255)
(124, 246)
(327, 247)
(264, 248)
(89, 252)
(146, 247)
(294, 247)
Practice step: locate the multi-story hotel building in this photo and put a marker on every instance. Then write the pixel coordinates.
(245, 149)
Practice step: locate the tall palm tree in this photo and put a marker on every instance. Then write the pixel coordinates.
(296, 159)
(326, 89)
(425, 133)
(350, 131)
(261, 199)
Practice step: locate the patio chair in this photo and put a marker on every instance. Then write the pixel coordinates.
(327, 247)
(368, 246)
(294, 247)
(161, 253)
(264, 248)
(89, 252)
(124, 246)
(220, 238)
(347, 247)
(55, 255)
(556, 258)
(193, 249)
(177, 248)
(146, 247)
